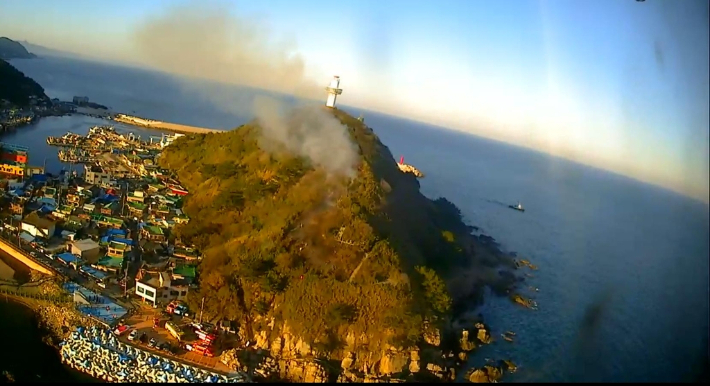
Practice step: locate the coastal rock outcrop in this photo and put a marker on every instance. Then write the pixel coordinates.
(356, 271)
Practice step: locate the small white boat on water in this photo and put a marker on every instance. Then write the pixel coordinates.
(518, 207)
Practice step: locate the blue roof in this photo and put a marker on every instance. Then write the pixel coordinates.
(109, 197)
(122, 240)
(112, 232)
(67, 257)
(47, 201)
(38, 178)
(94, 272)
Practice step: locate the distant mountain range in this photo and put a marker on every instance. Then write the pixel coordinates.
(10, 49)
(22, 49)
(46, 51)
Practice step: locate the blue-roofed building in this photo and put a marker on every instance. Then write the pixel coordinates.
(115, 232)
(122, 240)
(94, 273)
(49, 201)
(38, 178)
(69, 259)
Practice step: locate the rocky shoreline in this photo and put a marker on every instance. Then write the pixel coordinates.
(275, 355)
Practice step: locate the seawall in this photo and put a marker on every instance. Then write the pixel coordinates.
(97, 352)
(24, 258)
(158, 125)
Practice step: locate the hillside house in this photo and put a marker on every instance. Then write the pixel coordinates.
(95, 174)
(153, 233)
(117, 250)
(38, 226)
(160, 287)
(137, 209)
(87, 249)
(136, 196)
(74, 199)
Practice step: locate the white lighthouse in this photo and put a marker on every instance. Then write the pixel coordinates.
(333, 91)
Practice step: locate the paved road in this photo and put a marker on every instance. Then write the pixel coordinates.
(111, 292)
(143, 322)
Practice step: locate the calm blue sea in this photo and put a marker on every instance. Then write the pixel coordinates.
(623, 266)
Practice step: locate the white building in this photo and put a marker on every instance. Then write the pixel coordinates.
(160, 288)
(147, 290)
(37, 226)
(96, 175)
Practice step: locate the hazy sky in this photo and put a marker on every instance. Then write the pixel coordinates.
(617, 84)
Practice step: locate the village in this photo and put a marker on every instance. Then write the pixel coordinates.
(107, 231)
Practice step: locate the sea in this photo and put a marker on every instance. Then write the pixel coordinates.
(622, 273)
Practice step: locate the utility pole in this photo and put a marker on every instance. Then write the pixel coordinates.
(19, 226)
(125, 281)
(202, 307)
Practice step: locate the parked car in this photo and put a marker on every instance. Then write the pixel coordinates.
(120, 330)
(152, 343)
(132, 336)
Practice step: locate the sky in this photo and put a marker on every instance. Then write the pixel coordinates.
(618, 84)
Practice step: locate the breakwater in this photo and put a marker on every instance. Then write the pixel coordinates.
(153, 124)
(98, 353)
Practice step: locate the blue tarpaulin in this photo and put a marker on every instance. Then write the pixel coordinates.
(27, 237)
(109, 197)
(47, 201)
(113, 232)
(38, 178)
(67, 257)
(95, 273)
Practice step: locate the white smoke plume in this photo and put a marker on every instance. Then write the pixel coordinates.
(205, 41)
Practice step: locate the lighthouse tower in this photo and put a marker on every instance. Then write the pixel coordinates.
(333, 91)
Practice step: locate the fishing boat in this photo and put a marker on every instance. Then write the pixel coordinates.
(508, 335)
(518, 207)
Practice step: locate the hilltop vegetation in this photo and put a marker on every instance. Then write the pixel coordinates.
(325, 255)
(17, 88)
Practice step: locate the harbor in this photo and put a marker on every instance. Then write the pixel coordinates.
(103, 226)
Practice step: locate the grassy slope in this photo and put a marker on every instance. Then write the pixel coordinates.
(329, 257)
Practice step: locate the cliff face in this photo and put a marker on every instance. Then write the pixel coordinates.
(329, 277)
(18, 88)
(10, 49)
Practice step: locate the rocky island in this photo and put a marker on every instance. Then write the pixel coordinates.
(332, 276)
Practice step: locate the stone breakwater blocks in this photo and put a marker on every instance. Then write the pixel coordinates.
(97, 352)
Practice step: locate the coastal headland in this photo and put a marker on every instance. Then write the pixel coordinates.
(307, 267)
